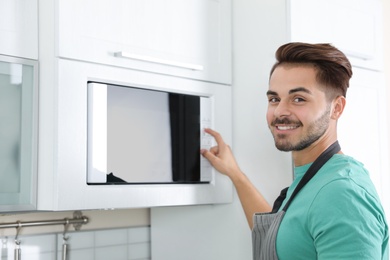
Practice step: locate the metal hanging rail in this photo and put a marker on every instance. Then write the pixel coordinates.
(78, 220)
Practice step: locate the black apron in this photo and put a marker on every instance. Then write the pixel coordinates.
(266, 225)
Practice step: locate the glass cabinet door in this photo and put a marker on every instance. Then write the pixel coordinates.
(18, 133)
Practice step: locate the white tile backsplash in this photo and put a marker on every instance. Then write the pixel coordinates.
(111, 253)
(114, 244)
(111, 237)
(139, 234)
(139, 251)
(85, 254)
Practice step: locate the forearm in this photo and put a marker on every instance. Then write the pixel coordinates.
(251, 199)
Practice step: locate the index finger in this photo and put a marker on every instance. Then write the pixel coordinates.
(217, 136)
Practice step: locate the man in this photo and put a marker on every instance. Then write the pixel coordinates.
(337, 213)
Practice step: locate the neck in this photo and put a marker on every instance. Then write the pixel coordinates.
(311, 153)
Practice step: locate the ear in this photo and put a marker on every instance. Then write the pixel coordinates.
(338, 106)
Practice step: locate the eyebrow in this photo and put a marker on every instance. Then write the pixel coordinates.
(300, 89)
(271, 93)
(291, 91)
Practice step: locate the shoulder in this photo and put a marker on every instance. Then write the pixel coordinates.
(343, 172)
(346, 210)
(344, 192)
(344, 182)
(344, 164)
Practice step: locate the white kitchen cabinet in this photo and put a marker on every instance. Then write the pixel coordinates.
(18, 133)
(19, 28)
(190, 38)
(353, 26)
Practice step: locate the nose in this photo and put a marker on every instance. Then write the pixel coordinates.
(282, 109)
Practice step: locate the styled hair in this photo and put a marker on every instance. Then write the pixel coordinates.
(333, 68)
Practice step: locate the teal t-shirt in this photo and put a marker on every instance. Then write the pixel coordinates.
(337, 215)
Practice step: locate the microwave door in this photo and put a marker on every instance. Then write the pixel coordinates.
(138, 135)
(130, 135)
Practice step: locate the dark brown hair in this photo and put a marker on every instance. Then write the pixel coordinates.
(333, 68)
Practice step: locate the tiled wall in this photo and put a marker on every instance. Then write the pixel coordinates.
(112, 244)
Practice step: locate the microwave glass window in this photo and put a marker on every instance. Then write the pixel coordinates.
(143, 136)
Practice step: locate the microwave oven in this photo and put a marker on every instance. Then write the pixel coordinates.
(144, 136)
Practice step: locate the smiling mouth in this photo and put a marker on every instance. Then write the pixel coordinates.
(286, 127)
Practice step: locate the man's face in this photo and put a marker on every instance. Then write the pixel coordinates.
(298, 114)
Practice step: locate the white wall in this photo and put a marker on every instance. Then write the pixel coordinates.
(257, 33)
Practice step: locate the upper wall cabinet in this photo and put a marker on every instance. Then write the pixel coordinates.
(19, 28)
(18, 133)
(353, 26)
(190, 39)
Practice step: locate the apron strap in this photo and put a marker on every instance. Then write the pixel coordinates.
(313, 169)
(279, 201)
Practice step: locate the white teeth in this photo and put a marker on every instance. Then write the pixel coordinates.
(286, 127)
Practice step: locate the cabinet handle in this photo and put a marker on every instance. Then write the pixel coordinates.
(127, 55)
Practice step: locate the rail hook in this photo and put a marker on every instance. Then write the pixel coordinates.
(17, 250)
(66, 228)
(18, 228)
(64, 240)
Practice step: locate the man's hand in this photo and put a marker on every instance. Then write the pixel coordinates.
(221, 156)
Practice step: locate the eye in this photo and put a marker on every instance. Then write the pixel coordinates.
(298, 100)
(273, 99)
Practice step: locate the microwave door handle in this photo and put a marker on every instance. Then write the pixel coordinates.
(122, 54)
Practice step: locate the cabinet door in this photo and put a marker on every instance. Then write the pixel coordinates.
(353, 26)
(18, 134)
(190, 38)
(19, 28)
(363, 127)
